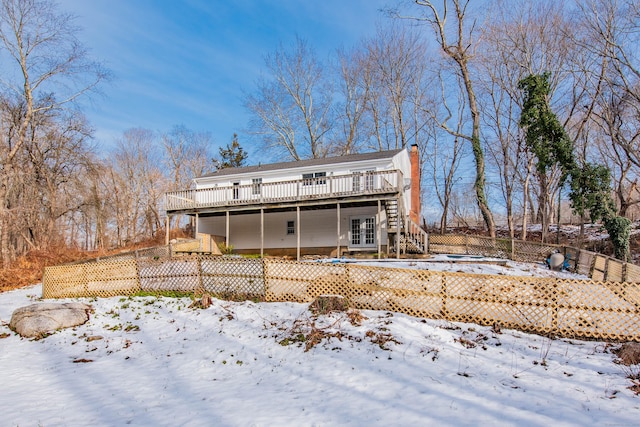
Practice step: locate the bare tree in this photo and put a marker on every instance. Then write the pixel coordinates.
(458, 46)
(187, 155)
(46, 69)
(444, 160)
(608, 35)
(354, 86)
(397, 82)
(291, 108)
(521, 38)
(138, 184)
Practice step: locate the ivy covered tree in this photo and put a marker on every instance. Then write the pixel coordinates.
(590, 184)
(591, 191)
(545, 137)
(233, 155)
(590, 188)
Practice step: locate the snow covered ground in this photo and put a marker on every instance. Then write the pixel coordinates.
(149, 361)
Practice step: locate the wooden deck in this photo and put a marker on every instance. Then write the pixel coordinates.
(355, 186)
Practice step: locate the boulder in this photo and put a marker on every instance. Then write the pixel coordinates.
(37, 320)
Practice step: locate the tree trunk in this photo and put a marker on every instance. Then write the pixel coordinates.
(476, 145)
(5, 248)
(544, 211)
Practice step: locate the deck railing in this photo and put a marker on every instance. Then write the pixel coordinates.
(330, 186)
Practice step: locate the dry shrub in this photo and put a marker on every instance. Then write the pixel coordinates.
(203, 302)
(355, 317)
(629, 359)
(381, 338)
(628, 354)
(27, 269)
(325, 304)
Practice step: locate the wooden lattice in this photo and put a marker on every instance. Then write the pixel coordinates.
(232, 276)
(572, 308)
(607, 310)
(597, 266)
(191, 245)
(102, 279)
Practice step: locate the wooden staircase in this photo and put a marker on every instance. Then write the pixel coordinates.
(405, 232)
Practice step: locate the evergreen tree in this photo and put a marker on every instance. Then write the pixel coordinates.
(233, 155)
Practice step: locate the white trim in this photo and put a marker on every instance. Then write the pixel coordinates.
(367, 224)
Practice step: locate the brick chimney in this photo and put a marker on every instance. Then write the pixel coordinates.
(414, 214)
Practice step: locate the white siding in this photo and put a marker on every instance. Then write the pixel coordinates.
(402, 162)
(319, 228)
(399, 161)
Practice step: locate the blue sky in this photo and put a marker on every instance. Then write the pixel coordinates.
(188, 62)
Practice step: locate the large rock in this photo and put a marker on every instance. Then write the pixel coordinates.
(37, 320)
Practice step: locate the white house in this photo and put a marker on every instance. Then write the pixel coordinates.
(360, 202)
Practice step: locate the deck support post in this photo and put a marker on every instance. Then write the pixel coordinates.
(226, 235)
(298, 232)
(338, 228)
(378, 231)
(167, 225)
(261, 232)
(398, 227)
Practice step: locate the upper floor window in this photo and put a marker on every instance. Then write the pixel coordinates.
(236, 190)
(316, 178)
(363, 180)
(256, 186)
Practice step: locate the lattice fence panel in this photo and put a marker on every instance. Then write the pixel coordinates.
(615, 270)
(232, 276)
(532, 251)
(574, 308)
(415, 292)
(64, 281)
(302, 282)
(585, 262)
(173, 274)
(599, 268)
(186, 246)
(604, 310)
(107, 279)
(104, 279)
(571, 257)
(488, 247)
(447, 244)
(156, 252)
(510, 301)
(129, 255)
(633, 273)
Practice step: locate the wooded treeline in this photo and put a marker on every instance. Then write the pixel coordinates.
(445, 75)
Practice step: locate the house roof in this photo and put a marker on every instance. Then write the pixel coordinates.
(377, 155)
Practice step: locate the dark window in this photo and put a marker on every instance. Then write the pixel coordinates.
(307, 179)
(314, 178)
(291, 227)
(236, 190)
(321, 177)
(256, 186)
